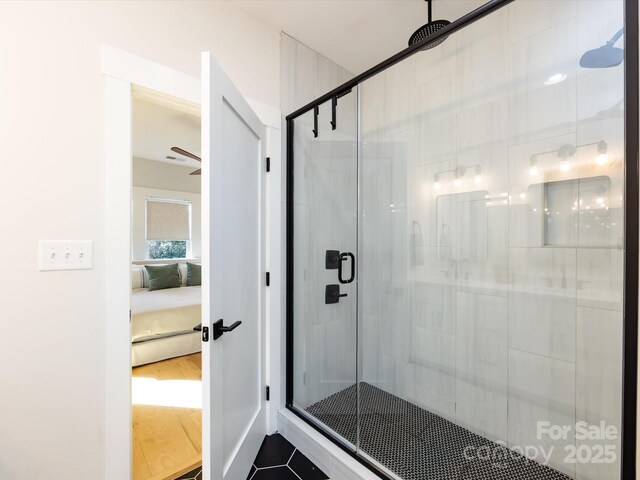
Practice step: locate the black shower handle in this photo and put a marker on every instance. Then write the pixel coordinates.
(342, 258)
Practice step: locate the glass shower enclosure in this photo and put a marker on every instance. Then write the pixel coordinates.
(457, 249)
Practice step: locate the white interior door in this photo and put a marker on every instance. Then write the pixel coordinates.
(234, 410)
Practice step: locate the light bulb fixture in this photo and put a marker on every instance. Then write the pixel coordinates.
(458, 175)
(565, 152)
(555, 78)
(436, 181)
(478, 177)
(602, 159)
(533, 165)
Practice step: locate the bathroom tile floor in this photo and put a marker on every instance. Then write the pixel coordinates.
(417, 444)
(277, 459)
(280, 460)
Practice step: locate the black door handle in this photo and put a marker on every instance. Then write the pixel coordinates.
(343, 257)
(219, 329)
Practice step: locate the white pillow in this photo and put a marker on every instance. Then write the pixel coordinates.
(183, 273)
(138, 275)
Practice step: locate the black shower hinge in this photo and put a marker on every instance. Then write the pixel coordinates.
(268, 393)
(268, 279)
(268, 166)
(316, 111)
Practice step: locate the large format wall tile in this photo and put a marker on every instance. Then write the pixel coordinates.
(599, 384)
(482, 364)
(542, 301)
(541, 389)
(600, 279)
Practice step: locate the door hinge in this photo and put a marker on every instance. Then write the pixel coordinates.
(205, 334)
(267, 279)
(268, 164)
(129, 316)
(268, 393)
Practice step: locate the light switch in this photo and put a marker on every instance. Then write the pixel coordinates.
(66, 255)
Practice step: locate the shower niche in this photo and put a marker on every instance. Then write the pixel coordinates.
(478, 299)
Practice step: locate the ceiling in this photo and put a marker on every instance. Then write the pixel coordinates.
(356, 34)
(158, 126)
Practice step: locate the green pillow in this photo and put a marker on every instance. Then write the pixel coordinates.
(194, 274)
(163, 276)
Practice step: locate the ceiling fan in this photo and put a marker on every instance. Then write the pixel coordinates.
(184, 153)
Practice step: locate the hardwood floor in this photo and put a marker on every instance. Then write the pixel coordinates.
(167, 440)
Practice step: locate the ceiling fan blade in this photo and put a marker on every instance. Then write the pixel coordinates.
(183, 152)
(196, 172)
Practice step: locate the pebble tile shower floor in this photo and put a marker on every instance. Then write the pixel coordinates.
(416, 444)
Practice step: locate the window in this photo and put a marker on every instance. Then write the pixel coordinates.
(168, 232)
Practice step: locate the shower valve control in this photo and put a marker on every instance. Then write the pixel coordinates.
(332, 259)
(332, 294)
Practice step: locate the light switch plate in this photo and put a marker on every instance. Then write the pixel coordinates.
(66, 255)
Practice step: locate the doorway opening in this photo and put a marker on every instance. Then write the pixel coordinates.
(166, 296)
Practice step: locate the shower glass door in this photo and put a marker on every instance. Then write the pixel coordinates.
(491, 250)
(325, 194)
(477, 189)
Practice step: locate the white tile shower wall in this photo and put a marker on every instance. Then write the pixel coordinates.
(598, 392)
(482, 364)
(541, 389)
(324, 197)
(306, 74)
(542, 301)
(503, 330)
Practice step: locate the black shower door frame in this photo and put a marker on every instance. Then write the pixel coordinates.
(631, 219)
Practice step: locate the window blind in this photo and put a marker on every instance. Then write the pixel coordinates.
(168, 220)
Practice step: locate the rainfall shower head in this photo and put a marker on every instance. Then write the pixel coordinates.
(428, 29)
(605, 56)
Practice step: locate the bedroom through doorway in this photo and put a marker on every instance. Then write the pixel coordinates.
(166, 297)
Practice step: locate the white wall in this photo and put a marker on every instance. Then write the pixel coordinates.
(52, 356)
(138, 216)
(153, 174)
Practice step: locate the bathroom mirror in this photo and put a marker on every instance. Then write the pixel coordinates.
(461, 221)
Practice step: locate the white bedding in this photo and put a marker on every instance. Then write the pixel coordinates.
(164, 313)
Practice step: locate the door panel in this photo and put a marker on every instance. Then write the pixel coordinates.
(233, 364)
(325, 198)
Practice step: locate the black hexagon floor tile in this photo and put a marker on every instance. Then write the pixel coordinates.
(277, 459)
(275, 450)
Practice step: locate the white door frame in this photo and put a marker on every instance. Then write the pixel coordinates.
(122, 71)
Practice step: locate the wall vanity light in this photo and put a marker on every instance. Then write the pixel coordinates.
(533, 165)
(566, 152)
(458, 176)
(602, 159)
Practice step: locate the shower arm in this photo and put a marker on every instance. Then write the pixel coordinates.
(616, 37)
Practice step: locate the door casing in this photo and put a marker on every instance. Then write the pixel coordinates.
(123, 74)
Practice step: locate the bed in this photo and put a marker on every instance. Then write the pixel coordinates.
(163, 321)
